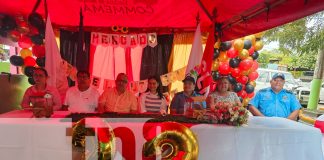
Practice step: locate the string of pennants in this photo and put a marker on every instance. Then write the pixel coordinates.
(141, 86)
(174, 76)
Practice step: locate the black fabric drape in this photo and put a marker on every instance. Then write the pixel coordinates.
(69, 49)
(155, 60)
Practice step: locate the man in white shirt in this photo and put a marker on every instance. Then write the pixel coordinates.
(83, 97)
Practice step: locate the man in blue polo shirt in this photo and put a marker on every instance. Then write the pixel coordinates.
(275, 101)
(178, 101)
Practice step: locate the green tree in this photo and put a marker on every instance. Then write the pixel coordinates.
(304, 36)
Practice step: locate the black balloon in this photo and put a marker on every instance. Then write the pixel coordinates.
(37, 21)
(40, 61)
(237, 87)
(234, 62)
(216, 53)
(16, 60)
(247, 44)
(37, 39)
(31, 80)
(29, 71)
(215, 75)
(255, 55)
(231, 79)
(226, 45)
(3, 32)
(249, 88)
(8, 23)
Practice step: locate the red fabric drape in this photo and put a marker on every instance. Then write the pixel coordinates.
(128, 59)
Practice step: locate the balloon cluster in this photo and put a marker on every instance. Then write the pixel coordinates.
(236, 60)
(30, 36)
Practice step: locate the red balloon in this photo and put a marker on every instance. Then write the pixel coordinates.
(243, 79)
(246, 64)
(255, 66)
(232, 53)
(29, 61)
(38, 51)
(243, 86)
(25, 42)
(14, 35)
(250, 95)
(251, 50)
(224, 68)
(235, 72)
(253, 76)
(242, 94)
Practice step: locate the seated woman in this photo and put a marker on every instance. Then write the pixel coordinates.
(40, 93)
(188, 95)
(153, 101)
(222, 94)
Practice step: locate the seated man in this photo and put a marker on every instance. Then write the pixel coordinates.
(118, 99)
(178, 101)
(83, 97)
(275, 101)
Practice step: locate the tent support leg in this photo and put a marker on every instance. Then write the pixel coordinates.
(316, 82)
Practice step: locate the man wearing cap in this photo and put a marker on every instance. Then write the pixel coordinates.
(179, 100)
(275, 101)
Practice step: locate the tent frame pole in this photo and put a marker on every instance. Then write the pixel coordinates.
(211, 18)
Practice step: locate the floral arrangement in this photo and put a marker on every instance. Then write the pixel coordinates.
(228, 113)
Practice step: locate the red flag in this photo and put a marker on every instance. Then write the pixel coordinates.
(204, 79)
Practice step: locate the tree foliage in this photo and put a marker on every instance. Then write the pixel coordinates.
(306, 61)
(302, 37)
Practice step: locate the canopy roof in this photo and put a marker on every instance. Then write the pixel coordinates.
(238, 17)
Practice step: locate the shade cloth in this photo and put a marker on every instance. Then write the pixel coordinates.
(240, 17)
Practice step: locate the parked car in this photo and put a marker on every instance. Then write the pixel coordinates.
(302, 94)
(265, 75)
(307, 76)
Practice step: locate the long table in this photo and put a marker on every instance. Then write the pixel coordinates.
(25, 137)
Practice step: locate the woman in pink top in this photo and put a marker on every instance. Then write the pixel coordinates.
(36, 95)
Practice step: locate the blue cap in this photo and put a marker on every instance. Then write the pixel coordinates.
(189, 79)
(281, 75)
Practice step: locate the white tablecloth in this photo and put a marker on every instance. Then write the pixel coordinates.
(262, 139)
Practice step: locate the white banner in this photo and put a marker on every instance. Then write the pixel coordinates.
(124, 40)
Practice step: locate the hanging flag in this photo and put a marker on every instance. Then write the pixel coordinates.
(204, 79)
(54, 64)
(196, 52)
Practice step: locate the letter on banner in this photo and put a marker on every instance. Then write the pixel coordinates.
(115, 40)
(142, 38)
(96, 82)
(133, 40)
(105, 39)
(123, 41)
(152, 39)
(165, 80)
(142, 86)
(95, 38)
